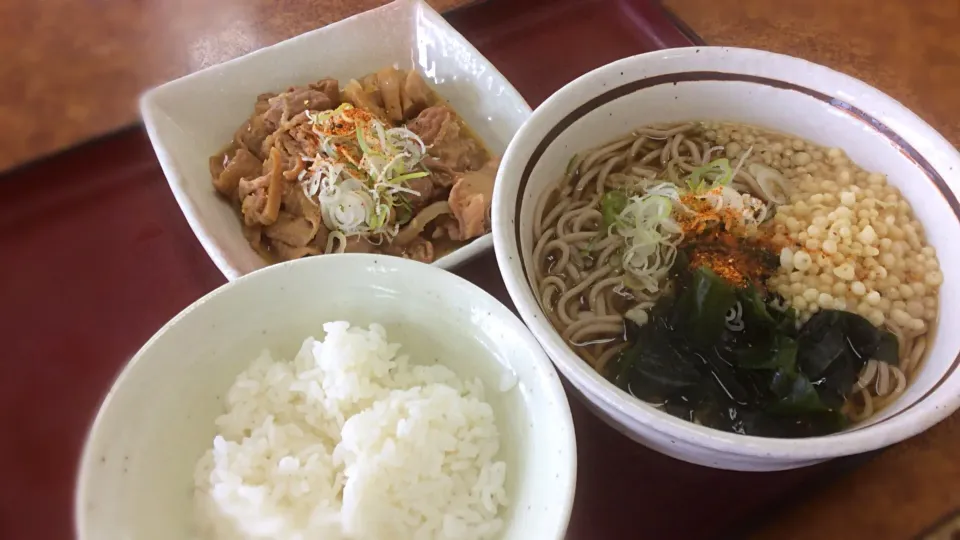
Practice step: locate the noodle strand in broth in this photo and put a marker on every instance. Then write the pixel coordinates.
(608, 233)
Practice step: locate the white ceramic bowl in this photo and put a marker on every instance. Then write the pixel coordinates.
(136, 474)
(193, 117)
(766, 89)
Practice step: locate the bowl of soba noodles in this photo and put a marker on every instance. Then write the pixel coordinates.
(739, 259)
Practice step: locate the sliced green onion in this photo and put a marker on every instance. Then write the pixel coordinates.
(322, 117)
(381, 134)
(651, 237)
(726, 172)
(697, 181)
(326, 115)
(364, 147)
(404, 212)
(593, 241)
(664, 208)
(611, 205)
(570, 168)
(398, 167)
(336, 242)
(401, 167)
(380, 216)
(409, 176)
(388, 199)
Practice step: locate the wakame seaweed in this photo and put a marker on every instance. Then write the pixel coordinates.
(723, 357)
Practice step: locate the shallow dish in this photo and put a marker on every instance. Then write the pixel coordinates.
(193, 117)
(136, 474)
(772, 91)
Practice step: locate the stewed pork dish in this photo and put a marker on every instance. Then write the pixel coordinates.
(381, 165)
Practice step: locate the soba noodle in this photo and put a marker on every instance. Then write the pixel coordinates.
(814, 200)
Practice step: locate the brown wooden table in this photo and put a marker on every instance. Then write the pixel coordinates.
(97, 256)
(73, 68)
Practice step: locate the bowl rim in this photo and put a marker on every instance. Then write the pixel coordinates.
(938, 404)
(416, 271)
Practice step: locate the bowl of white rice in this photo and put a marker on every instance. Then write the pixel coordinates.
(346, 397)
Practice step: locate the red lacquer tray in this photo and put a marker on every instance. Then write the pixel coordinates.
(96, 257)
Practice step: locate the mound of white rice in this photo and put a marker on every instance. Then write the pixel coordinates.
(351, 441)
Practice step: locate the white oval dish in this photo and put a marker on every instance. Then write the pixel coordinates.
(192, 118)
(770, 90)
(136, 473)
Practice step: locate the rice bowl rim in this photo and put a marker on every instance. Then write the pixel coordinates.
(590, 91)
(414, 271)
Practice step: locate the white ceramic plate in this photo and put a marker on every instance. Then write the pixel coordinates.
(774, 91)
(193, 117)
(136, 473)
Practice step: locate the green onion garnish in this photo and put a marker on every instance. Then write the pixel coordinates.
(697, 181)
(362, 142)
(570, 168)
(611, 205)
(409, 176)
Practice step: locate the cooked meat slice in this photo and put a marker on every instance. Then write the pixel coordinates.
(252, 207)
(252, 134)
(423, 186)
(290, 229)
(270, 142)
(263, 103)
(307, 141)
(298, 119)
(331, 88)
(438, 127)
(260, 198)
(248, 186)
(298, 204)
(470, 200)
(415, 96)
(298, 167)
(390, 82)
(359, 97)
(286, 252)
(294, 139)
(218, 162)
(446, 227)
(242, 165)
(275, 189)
(292, 147)
(442, 175)
(254, 235)
(420, 250)
(295, 101)
(427, 124)
(359, 244)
